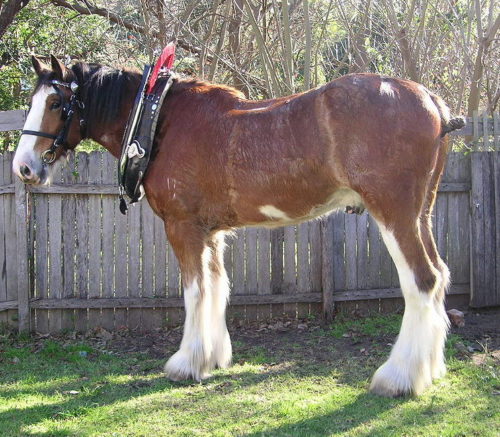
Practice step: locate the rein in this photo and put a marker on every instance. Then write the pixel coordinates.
(68, 110)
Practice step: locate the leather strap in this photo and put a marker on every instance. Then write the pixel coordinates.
(38, 134)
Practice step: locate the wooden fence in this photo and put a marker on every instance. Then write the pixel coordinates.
(70, 260)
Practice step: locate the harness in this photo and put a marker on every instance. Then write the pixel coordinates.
(67, 113)
(138, 139)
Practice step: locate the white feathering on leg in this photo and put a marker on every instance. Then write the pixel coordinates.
(417, 356)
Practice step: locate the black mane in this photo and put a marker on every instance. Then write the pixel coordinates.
(102, 90)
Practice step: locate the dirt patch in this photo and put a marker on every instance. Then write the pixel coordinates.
(284, 340)
(482, 327)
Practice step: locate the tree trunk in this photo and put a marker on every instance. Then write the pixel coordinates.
(8, 12)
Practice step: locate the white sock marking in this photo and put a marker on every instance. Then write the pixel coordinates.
(417, 355)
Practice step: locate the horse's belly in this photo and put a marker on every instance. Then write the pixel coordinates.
(280, 214)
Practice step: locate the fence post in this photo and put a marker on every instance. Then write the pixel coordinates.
(23, 290)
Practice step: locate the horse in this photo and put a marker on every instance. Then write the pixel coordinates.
(221, 161)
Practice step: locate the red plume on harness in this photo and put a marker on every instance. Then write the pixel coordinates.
(166, 60)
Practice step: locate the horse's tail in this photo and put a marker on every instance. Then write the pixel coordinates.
(448, 124)
(452, 124)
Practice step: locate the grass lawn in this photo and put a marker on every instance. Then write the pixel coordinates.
(286, 381)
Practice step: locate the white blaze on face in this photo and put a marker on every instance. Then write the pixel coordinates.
(25, 153)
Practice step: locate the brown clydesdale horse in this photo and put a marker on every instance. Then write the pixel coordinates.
(222, 162)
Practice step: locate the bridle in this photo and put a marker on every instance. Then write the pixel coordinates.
(68, 110)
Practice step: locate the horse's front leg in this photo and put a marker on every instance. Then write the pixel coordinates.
(194, 359)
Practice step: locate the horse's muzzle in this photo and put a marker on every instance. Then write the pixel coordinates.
(27, 174)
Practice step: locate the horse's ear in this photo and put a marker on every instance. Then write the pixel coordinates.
(58, 68)
(38, 65)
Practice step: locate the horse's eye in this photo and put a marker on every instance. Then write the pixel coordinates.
(55, 105)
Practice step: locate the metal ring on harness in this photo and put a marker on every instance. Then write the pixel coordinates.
(49, 156)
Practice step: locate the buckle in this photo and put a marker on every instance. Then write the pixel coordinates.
(134, 149)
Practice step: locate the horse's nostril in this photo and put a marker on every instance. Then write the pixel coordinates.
(25, 171)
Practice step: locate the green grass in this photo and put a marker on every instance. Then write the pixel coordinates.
(374, 325)
(52, 389)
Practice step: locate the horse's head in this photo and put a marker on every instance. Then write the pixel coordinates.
(53, 125)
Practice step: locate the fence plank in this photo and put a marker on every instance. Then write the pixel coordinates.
(289, 275)
(264, 261)
(351, 276)
(41, 236)
(68, 206)
(82, 241)
(327, 271)
(134, 263)
(147, 260)
(338, 223)
(55, 251)
(239, 262)
(251, 283)
(315, 254)
(109, 205)
(95, 238)
(277, 240)
(290, 284)
(10, 241)
(458, 225)
(303, 271)
(251, 261)
(264, 270)
(3, 253)
(120, 261)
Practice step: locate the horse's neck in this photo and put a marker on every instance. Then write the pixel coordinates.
(110, 139)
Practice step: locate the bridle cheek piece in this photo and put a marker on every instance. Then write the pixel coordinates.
(68, 110)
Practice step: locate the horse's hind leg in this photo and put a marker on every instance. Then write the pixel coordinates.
(438, 367)
(194, 358)
(409, 368)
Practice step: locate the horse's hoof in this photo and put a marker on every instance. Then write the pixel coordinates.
(180, 368)
(223, 352)
(392, 381)
(439, 370)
